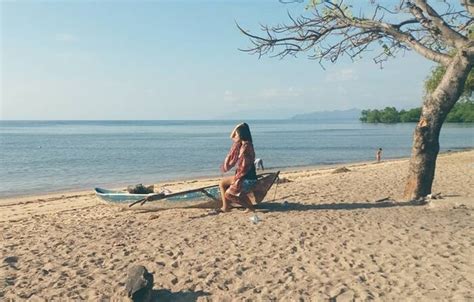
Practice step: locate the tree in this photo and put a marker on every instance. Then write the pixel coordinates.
(437, 73)
(331, 30)
(363, 115)
(374, 116)
(462, 112)
(410, 116)
(390, 115)
(371, 116)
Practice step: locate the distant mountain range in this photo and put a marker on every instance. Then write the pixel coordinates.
(258, 114)
(273, 113)
(350, 114)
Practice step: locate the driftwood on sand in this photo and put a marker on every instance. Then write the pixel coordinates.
(382, 199)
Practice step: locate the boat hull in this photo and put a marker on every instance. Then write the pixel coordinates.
(208, 197)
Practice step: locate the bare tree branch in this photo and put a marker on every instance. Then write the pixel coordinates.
(332, 32)
(451, 36)
(469, 5)
(353, 36)
(403, 37)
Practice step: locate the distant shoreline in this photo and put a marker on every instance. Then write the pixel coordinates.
(50, 157)
(8, 199)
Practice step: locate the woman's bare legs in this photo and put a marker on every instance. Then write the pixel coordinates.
(223, 186)
(245, 201)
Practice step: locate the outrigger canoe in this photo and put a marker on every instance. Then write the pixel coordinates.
(204, 197)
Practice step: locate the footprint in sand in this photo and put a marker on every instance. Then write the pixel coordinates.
(10, 280)
(11, 261)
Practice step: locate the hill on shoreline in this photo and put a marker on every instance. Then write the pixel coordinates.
(350, 114)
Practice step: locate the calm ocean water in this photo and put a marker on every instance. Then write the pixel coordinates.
(48, 156)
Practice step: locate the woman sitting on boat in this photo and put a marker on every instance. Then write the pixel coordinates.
(234, 189)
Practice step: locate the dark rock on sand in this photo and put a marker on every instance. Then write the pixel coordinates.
(11, 261)
(139, 284)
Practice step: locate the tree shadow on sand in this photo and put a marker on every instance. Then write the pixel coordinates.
(295, 206)
(165, 295)
(286, 206)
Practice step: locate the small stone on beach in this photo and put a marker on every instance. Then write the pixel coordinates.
(341, 170)
(283, 180)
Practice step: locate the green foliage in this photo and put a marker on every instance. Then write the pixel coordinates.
(363, 115)
(437, 74)
(389, 115)
(313, 3)
(462, 112)
(370, 116)
(469, 85)
(434, 78)
(327, 11)
(410, 116)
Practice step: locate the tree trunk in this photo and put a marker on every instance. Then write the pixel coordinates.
(436, 107)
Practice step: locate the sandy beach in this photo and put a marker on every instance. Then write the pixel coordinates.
(322, 236)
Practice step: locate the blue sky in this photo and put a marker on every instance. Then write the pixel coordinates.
(176, 60)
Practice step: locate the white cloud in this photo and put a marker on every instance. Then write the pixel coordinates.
(230, 96)
(292, 91)
(342, 75)
(65, 37)
(277, 93)
(269, 93)
(263, 96)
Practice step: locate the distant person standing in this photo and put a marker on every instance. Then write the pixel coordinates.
(378, 155)
(259, 164)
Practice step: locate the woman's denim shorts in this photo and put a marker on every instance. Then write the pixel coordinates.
(248, 185)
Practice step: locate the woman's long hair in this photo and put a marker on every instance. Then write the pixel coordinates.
(244, 132)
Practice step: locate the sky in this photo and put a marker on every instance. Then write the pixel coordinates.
(179, 60)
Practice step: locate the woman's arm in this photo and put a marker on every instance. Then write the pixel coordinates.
(247, 158)
(232, 157)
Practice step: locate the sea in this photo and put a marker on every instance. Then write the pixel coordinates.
(39, 157)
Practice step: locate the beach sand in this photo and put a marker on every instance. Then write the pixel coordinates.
(323, 237)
